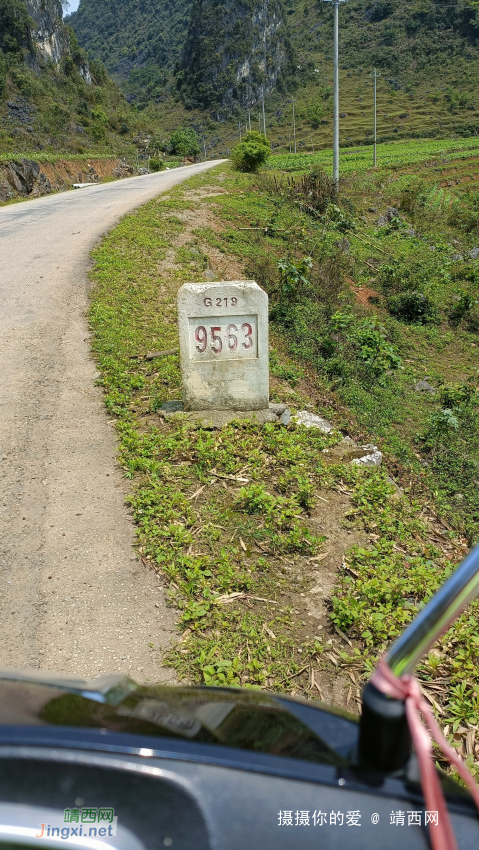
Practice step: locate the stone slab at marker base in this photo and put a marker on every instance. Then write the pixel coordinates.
(217, 419)
(223, 331)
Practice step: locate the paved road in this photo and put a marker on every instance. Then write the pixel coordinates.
(73, 596)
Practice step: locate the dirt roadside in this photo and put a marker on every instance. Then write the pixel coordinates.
(28, 178)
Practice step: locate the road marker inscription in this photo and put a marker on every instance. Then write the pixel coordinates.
(224, 345)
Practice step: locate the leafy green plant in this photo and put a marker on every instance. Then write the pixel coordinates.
(369, 340)
(461, 396)
(442, 423)
(293, 279)
(251, 153)
(463, 705)
(156, 164)
(338, 218)
(462, 308)
(184, 142)
(413, 307)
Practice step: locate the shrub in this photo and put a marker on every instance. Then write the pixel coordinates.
(367, 338)
(443, 422)
(465, 303)
(314, 114)
(184, 142)
(157, 164)
(413, 195)
(413, 307)
(251, 153)
(293, 276)
(313, 192)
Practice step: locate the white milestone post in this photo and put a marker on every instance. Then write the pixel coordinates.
(224, 345)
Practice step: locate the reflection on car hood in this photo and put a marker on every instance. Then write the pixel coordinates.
(245, 719)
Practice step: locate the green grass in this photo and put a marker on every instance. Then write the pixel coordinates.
(225, 516)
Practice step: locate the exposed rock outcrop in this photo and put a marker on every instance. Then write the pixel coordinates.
(25, 178)
(234, 52)
(50, 36)
(49, 40)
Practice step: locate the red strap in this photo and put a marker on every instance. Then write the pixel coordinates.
(407, 688)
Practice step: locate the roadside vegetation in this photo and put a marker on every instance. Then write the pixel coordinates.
(291, 568)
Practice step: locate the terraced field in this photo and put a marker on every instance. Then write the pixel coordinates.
(443, 155)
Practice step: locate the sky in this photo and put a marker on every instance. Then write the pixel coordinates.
(74, 4)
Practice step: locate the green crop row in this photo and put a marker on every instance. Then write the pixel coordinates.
(392, 154)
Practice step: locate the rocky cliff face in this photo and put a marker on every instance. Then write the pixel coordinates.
(138, 42)
(50, 40)
(50, 36)
(233, 52)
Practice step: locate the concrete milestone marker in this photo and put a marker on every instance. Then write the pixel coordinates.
(224, 345)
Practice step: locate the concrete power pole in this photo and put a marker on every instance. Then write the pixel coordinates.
(336, 91)
(294, 128)
(264, 119)
(375, 76)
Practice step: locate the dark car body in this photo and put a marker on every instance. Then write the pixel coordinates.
(115, 764)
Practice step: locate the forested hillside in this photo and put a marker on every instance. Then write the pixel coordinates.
(139, 41)
(51, 97)
(163, 52)
(234, 53)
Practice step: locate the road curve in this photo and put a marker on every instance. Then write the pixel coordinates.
(73, 595)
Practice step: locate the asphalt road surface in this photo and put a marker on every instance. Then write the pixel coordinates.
(73, 595)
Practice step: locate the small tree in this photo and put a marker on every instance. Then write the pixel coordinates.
(251, 153)
(157, 164)
(184, 142)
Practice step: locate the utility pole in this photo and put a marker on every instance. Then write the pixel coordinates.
(249, 119)
(375, 76)
(264, 119)
(204, 146)
(294, 128)
(289, 139)
(239, 125)
(336, 92)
